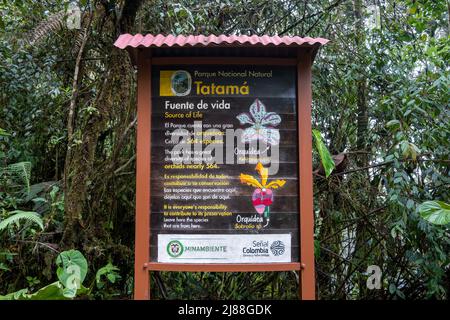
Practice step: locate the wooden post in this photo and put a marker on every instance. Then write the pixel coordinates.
(307, 285)
(142, 237)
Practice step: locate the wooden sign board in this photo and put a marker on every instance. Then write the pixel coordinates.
(224, 168)
(233, 195)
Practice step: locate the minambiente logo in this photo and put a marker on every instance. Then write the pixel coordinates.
(175, 248)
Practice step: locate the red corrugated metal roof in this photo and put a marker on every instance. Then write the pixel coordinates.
(149, 40)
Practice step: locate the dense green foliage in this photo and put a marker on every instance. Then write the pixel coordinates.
(71, 272)
(380, 106)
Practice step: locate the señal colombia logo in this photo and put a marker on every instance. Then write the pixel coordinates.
(175, 248)
(277, 248)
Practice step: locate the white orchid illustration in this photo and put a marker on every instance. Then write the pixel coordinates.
(262, 123)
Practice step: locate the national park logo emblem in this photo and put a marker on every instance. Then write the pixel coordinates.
(174, 83)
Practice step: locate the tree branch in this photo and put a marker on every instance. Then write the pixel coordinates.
(292, 26)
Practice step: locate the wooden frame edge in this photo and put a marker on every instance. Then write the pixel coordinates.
(307, 288)
(222, 267)
(143, 157)
(224, 60)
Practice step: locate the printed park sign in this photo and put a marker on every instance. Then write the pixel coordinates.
(224, 166)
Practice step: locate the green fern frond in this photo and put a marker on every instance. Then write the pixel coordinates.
(79, 38)
(19, 215)
(53, 23)
(18, 171)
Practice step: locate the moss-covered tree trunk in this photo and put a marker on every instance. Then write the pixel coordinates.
(90, 121)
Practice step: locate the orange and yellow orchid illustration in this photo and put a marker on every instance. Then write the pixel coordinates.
(262, 197)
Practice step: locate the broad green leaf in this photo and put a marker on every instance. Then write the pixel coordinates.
(393, 123)
(53, 291)
(14, 295)
(3, 133)
(70, 292)
(72, 266)
(435, 212)
(325, 156)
